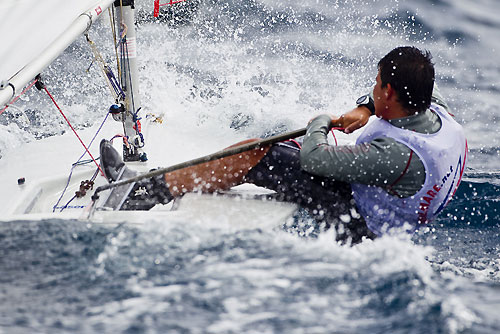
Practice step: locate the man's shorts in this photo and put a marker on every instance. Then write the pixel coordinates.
(327, 200)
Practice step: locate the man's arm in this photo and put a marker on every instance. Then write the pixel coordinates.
(380, 162)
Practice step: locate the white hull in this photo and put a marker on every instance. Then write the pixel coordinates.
(45, 166)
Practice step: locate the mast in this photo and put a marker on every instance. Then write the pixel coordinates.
(129, 79)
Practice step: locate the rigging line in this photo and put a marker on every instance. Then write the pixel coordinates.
(124, 139)
(113, 84)
(126, 69)
(64, 190)
(77, 163)
(71, 207)
(130, 80)
(116, 85)
(74, 196)
(122, 35)
(121, 45)
(123, 39)
(125, 53)
(103, 66)
(17, 97)
(111, 11)
(134, 111)
(333, 134)
(296, 143)
(67, 121)
(81, 163)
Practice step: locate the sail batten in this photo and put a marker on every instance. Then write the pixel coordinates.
(25, 52)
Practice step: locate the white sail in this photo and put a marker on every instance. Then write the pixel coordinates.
(33, 33)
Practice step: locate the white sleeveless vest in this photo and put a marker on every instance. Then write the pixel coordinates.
(443, 154)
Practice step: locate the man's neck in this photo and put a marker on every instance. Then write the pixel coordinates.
(395, 112)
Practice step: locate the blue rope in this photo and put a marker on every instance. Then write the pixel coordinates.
(71, 200)
(70, 207)
(130, 80)
(135, 117)
(115, 84)
(76, 164)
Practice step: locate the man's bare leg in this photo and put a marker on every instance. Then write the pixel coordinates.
(212, 176)
(209, 177)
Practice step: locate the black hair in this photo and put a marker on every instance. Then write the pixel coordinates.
(411, 74)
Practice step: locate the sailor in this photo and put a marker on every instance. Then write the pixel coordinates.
(402, 171)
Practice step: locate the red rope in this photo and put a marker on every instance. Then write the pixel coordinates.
(333, 134)
(17, 97)
(86, 149)
(296, 143)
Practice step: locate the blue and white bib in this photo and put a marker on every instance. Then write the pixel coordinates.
(443, 154)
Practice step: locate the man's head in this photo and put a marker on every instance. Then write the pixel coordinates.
(408, 74)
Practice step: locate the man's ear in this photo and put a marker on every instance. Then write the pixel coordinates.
(389, 91)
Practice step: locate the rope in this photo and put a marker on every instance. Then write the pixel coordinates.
(125, 139)
(17, 97)
(78, 163)
(76, 134)
(70, 207)
(92, 179)
(126, 58)
(125, 61)
(112, 82)
(111, 11)
(120, 94)
(333, 134)
(122, 45)
(296, 143)
(331, 130)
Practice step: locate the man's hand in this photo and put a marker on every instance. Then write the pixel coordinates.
(352, 120)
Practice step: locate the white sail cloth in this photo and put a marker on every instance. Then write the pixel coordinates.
(30, 28)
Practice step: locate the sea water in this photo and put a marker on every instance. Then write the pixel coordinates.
(252, 69)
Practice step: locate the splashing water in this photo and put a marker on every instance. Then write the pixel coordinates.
(255, 68)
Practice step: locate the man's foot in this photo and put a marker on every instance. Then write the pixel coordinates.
(111, 162)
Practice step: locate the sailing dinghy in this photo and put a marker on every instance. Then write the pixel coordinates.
(40, 180)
